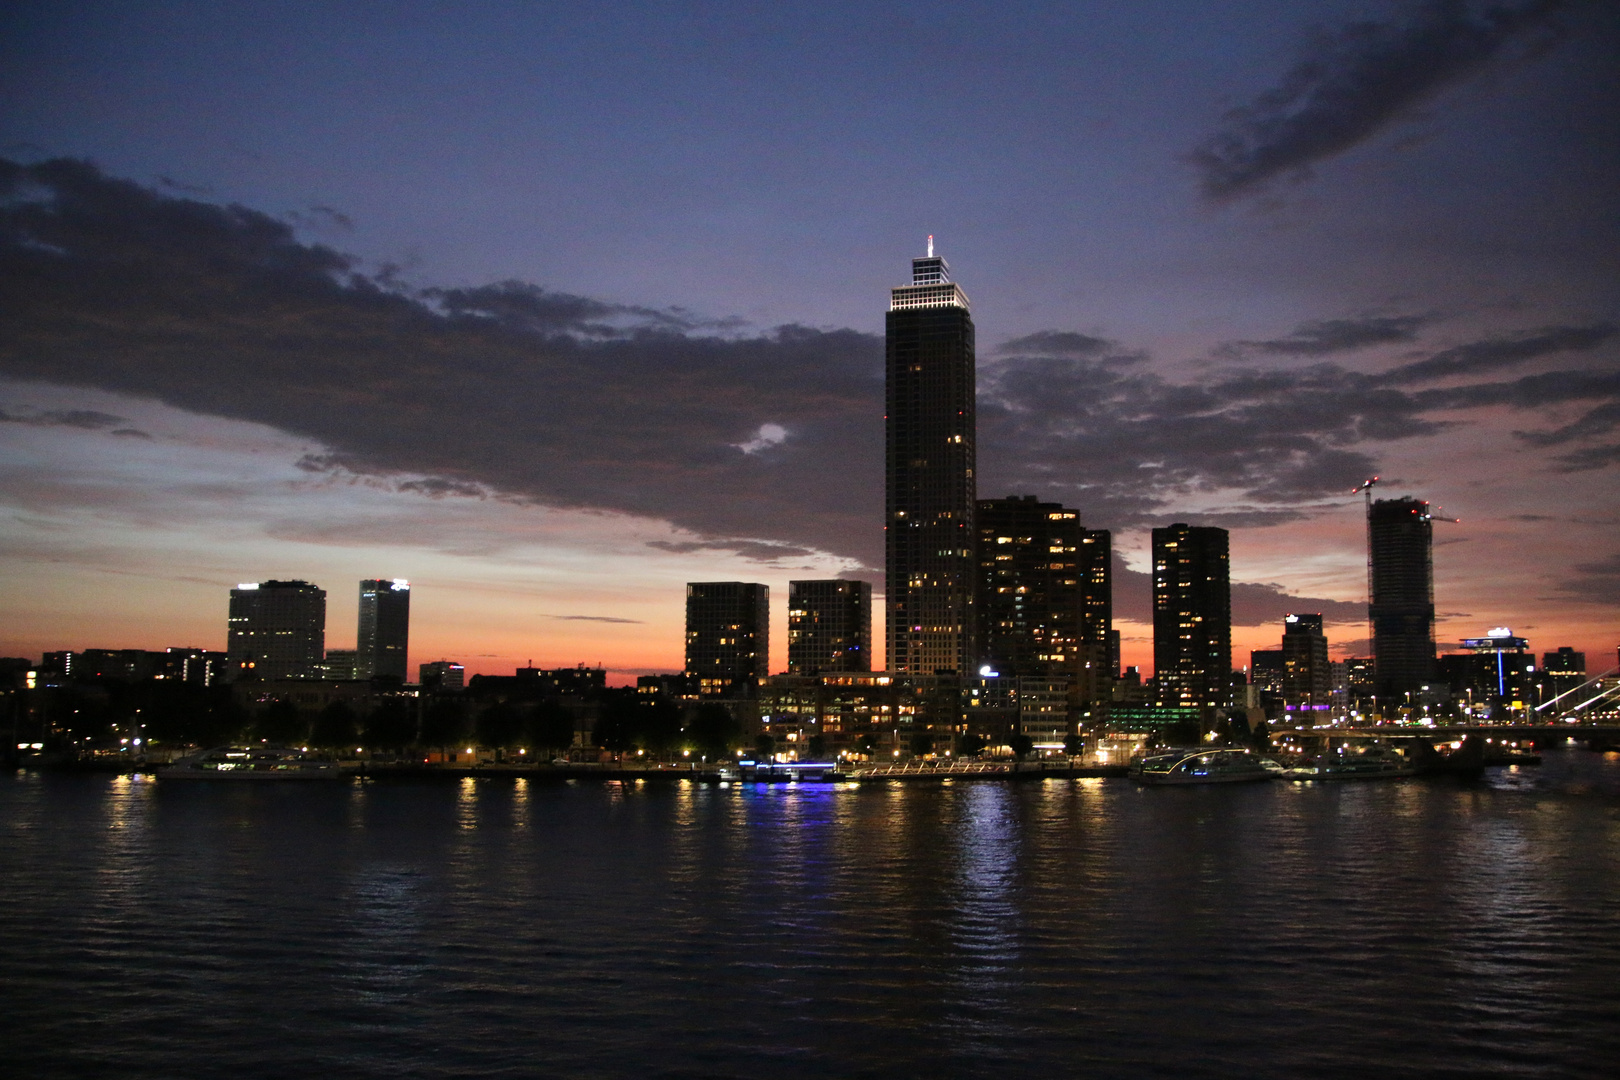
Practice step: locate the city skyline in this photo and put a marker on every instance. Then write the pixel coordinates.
(1188, 309)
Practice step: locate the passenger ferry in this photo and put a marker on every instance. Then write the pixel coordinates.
(1222, 766)
(251, 763)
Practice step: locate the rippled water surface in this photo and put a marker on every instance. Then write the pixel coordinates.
(516, 928)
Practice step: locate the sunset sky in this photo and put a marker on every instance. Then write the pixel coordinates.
(553, 308)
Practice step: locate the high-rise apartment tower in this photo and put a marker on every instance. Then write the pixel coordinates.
(1192, 616)
(1044, 606)
(276, 630)
(1307, 677)
(385, 629)
(1400, 540)
(728, 636)
(829, 626)
(929, 462)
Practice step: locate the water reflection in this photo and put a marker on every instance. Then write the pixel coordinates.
(520, 803)
(467, 803)
(507, 928)
(382, 954)
(985, 918)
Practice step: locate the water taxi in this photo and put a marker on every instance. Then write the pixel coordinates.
(1222, 766)
(251, 763)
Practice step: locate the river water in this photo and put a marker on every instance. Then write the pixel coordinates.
(502, 927)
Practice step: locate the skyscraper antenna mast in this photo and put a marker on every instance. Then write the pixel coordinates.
(930, 246)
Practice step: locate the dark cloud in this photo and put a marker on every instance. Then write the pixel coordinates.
(1352, 82)
(1253, 604)
(130, 433)
(86, 419)
(1599, 421)
(1065, 343)
(185, 189)
(1129, 446)
(753, 550)
(565, 400)
(515, 392)
(592, 618)
(1337, 335)
(1589, 458)
(437, 487)
(1594, 582)
(1496, 353)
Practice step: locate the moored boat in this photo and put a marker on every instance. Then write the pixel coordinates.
(1334, 758)
(1221, 766)
(251, 763)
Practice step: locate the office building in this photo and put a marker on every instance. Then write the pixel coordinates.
(829, 626)
(929, 470)
(1562, 673)
(1266, 671)
(1361, 684)
(872, 714)
(1044, 604)
(728, 636)
(1401, 603)
(276, 630)
(444, 676)
(202, 667)
(1192, 617)
(1502, 670)
(1307, 675)
(385, 629)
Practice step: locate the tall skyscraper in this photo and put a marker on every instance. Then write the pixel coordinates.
(1400, 539)
(276, 630)
(1097, 631)
(929, 462)
(829, 626)
(1307, 675)
(1192, 616)
(385, 629)
(728, 636)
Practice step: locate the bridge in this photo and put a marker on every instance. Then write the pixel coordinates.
(1542, 734)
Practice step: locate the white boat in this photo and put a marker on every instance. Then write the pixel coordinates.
(251, 763)
(1223, 766)
(1337, 758)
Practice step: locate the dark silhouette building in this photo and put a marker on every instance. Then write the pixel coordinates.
(829, 626)
(1562, 672)
(1192, 617)
(1307, 675)
(1400, 538)
(276, 630)
(728, 636)
(385, 628)
(929, 466)
(1044, 603)
(443, 676)
(1361, 684)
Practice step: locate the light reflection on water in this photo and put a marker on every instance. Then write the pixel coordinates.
(488, 926)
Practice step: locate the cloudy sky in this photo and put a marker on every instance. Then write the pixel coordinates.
(553, 308)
